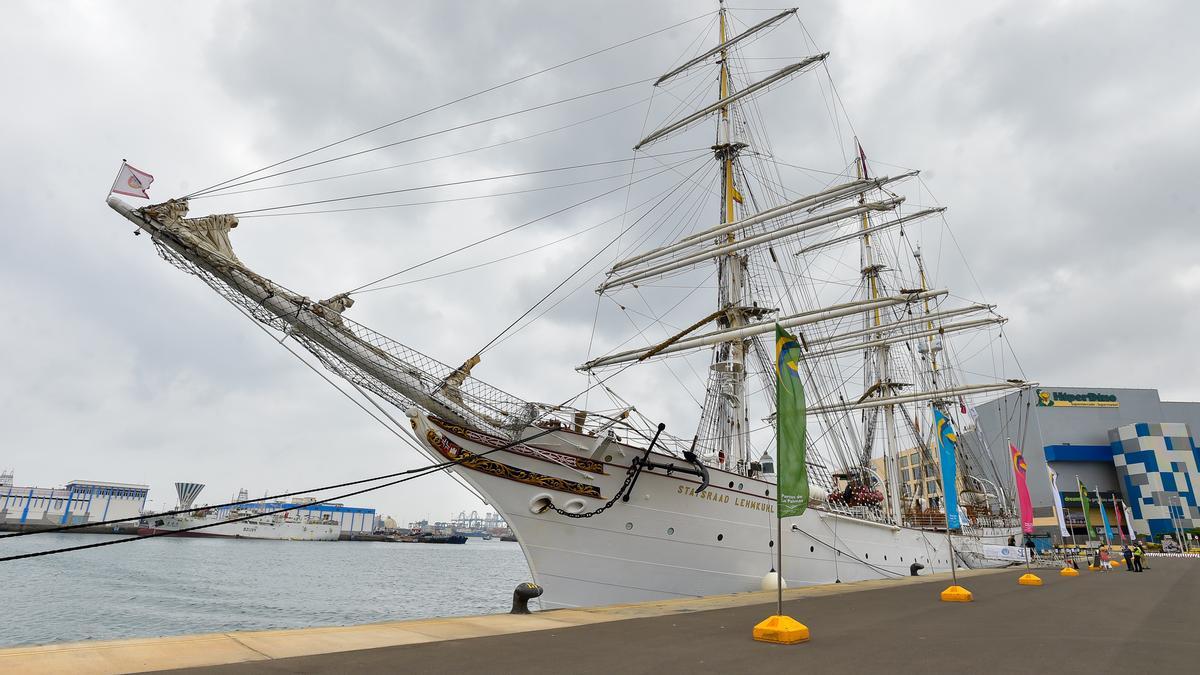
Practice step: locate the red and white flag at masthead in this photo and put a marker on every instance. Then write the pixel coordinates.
(132, 182)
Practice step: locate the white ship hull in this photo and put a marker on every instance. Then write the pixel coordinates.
(247, 529)
(668, 541)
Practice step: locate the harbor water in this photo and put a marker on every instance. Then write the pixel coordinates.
(171, 586)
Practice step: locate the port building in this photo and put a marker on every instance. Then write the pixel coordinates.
(1127, 445)
(78, 502)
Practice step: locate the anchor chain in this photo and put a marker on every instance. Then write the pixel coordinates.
(635, 468)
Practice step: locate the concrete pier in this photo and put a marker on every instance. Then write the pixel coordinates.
(1098, 622)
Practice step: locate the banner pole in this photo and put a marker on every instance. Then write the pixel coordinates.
(950, 541)
(779, 566)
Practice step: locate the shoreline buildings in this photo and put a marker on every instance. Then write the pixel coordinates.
(1126, 444)
(77, 503)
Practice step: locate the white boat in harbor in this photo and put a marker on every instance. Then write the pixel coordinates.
(605, 507)
(236, 523)
(258, 527)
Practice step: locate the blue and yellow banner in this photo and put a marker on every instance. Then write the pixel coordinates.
(1108, 536)
(947, 444)
(790, 421)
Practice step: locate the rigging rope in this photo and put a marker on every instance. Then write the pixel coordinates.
(426, 135)
(453, 102)
(449, 184)
(450, 200)
(488, 238)
(521, 253)
(410, 474)
(432, 159)
(584, 265)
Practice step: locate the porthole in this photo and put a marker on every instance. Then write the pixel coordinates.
(811, 549)
(885, 557)
(608, 458)
(629, 526)
(670, 530)
(720, 537)
(730, 483)
(771, 544)
(867, 556)
(767, 493)
(739, 486)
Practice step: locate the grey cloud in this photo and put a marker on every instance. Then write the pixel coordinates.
(1062, 139)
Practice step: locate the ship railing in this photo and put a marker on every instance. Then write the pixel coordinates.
(874, 514)
(992, 522)
(932, 520)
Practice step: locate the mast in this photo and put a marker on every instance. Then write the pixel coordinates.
(729, 362)
(870, 278)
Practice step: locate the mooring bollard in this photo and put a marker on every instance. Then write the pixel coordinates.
(914, 568)
(522, 595)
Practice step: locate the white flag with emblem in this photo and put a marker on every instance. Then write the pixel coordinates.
(132, 182)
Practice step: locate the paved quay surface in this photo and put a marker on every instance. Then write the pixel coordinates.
(1097, 622)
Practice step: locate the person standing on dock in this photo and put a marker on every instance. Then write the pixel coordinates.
(1128, 553)
(1137, 557)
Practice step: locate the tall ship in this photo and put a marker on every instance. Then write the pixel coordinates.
(236, 523)
(607, 505)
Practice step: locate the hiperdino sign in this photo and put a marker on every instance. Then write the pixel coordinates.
(1062, 399)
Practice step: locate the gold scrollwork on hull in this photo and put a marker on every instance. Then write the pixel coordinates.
(453, 451)
(582, 463)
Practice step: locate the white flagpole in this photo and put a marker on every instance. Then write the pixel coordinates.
(116, 178)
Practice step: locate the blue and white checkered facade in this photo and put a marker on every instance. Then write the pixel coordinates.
(1156, 465)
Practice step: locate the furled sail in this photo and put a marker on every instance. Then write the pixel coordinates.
(778, 233)
(751, 31)
(781, 74)
(813, 201)
(763, 327)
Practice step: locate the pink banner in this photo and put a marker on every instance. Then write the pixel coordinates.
(1019, 468)
(1120, 519)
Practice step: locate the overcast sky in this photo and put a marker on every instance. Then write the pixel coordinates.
(1062, 135)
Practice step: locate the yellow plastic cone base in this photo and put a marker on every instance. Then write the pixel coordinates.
(1069, 572)
(1030, 580)
(1093, 567)
(956, 594)
(781, 630)
(1114, 563)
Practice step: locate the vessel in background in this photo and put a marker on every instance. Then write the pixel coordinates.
(209, 523)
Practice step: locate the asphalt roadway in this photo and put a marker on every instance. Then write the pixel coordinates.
(1098, 622)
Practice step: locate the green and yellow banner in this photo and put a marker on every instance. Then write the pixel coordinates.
(790, 421)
